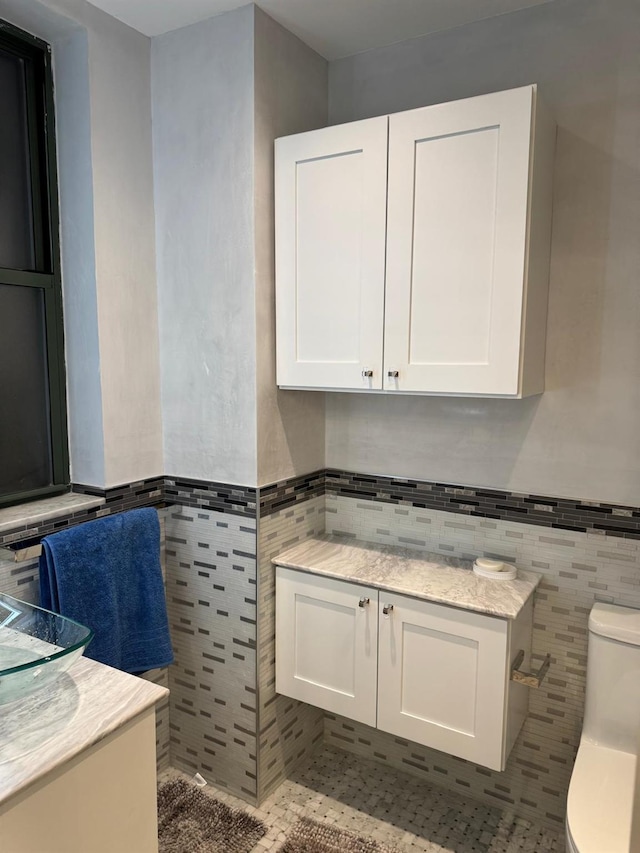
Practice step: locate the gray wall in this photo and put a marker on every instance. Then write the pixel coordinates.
(222, 90)
(581, 438)
(103, 100)
(203, 166)
(120, 79)
(73, 123)
(290, 97)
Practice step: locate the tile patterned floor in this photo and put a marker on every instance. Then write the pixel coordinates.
(389, 806)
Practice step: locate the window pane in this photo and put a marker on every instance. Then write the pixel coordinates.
(25, 447)
(16, 220)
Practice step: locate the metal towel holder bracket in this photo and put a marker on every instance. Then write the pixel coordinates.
(529, 679)
(21, 551)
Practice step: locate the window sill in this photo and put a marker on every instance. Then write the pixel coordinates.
(19, 519)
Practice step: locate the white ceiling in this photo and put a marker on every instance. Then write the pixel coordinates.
(334, 28)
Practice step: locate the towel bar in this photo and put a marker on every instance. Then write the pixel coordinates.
(21, 551)
(529, 679)
(29, 549)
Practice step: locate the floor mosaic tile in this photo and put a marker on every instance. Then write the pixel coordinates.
(390, 807)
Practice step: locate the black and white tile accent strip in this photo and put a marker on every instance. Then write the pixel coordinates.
(553, 512)
(287, 493)
(560, 513)
(132, 495)
(205, 494)
(199, 494)
(128, 496)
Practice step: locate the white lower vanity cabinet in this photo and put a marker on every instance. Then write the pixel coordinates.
(432, 674)
(327, 643)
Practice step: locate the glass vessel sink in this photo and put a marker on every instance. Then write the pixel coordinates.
(36, 646)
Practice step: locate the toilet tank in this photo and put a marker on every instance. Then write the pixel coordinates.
(612, 710)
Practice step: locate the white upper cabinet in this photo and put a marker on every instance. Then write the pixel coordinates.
(457, 244)
(331, 191)
(463, 223)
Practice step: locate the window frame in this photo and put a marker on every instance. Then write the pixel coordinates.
(44, 198)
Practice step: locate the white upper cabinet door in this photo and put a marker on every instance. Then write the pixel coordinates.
(457, 245)
(442, 678)
(330, 188)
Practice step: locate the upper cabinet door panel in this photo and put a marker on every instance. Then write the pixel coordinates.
(331, 187)
(456, 244)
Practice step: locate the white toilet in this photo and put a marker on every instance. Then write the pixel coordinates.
(600, 807)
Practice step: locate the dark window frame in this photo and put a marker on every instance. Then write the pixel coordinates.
(44, 192)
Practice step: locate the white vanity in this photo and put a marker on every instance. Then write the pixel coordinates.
(411, 643)
(78, 765)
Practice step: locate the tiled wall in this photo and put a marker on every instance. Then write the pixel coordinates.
(579, 568)
(211, 598)
(221, 732)
(19, 579)
(119, 499)
(289, 730)
(161, 676)
(543, 511)
(228, 723)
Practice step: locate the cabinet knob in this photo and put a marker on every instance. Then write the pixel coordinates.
(393, 374)
(386, 610)
(367, 374)
(363, 602)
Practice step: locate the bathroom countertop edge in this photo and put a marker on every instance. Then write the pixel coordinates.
(405, 571)
(106, 698)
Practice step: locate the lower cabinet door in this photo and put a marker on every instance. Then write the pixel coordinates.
(326, 643)
(442, 678)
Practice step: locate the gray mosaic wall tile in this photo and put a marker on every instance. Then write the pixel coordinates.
(161, 676)
(119, 499)
(578, 569)
(289, 730)
(223, 687)
(543, 511)
(546, 511)
(222, 497)
(286, 493)
(211, 599)
(21, 580)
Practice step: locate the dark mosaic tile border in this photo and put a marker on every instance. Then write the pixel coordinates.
(286, 493)
(557, 513)
(119, 499)
(219, 497)
(544, 511)
(129, 496)
(200, 494)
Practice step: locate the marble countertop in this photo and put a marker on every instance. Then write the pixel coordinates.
(420, 574)
(43, 731)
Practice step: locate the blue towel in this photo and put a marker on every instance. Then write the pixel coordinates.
(106, 574)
